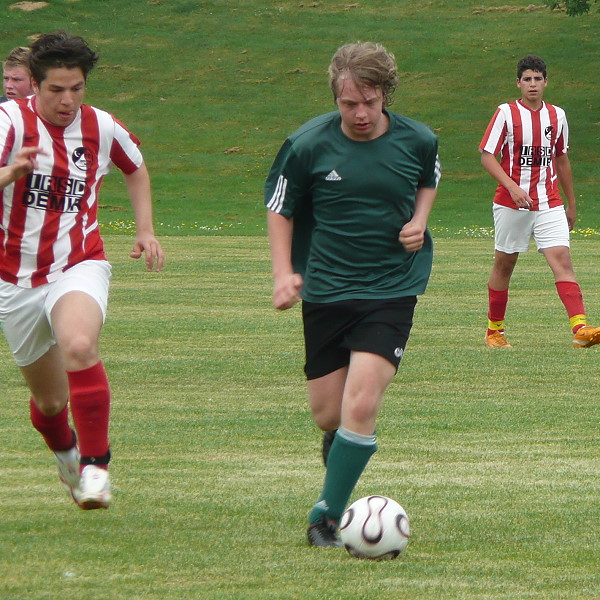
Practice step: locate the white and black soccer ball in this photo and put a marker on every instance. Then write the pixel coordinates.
(375, 527)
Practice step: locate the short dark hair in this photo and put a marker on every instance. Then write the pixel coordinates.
(57, 50)
(535, 63)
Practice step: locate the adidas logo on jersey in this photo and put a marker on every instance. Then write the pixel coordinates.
(333, 176)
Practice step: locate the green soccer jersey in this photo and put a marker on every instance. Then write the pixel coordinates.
(349, 200)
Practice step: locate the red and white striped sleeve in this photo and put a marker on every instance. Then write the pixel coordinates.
(495, 134)
(124, 152)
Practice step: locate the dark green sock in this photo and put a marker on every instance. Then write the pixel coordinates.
(348, 457)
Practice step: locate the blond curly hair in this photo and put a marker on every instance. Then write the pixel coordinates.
(368, 64)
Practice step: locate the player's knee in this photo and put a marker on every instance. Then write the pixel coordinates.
(362, 412)
(51, 404)
(326, 421)
(79, 351)
(505, 267)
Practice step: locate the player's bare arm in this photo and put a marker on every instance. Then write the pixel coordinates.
(23, 164)
(520, 197)
(138, 186)
(565, 179)
(412, 235)
(287, 285)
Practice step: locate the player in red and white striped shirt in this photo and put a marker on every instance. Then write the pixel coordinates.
(532, 139)
(54, 276)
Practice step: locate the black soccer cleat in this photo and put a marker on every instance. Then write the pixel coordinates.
(327, 441)
(323, 533)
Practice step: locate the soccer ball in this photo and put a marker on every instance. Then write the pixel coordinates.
(375, 527)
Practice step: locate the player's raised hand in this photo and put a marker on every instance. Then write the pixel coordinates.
(149, 245)
(412, 236)
(25, 162)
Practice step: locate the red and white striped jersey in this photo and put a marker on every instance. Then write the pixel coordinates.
(528, 142)
(48, 219)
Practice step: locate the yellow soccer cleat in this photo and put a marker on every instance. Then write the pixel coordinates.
(586, 337)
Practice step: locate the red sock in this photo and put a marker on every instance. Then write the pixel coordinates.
(570, 294)
(90, 407)
(498, 301)
(55, 429)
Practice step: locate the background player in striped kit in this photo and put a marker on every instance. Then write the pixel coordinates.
(16, 78)
(532, 139)
(349, 195)
(54, 276)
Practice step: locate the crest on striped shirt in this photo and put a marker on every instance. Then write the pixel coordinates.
(82, 158)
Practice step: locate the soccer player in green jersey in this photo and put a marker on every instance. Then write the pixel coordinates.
(348, 197)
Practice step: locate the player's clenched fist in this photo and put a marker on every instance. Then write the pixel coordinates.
(286, 291)
(412, 237)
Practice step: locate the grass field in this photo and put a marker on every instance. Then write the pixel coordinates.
(493, 454)
(213, 87)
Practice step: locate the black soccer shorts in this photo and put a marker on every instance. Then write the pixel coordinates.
(333, 330)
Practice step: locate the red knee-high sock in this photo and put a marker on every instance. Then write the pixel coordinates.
(55, 429)
(498, 301)
(90, 407)
(570, 295)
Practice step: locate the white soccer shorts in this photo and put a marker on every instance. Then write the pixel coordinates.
(25, 312)
(515, 228)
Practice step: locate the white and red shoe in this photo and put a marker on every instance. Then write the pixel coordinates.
(67, 462)
(94, 488)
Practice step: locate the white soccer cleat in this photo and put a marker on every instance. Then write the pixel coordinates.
(67, 462)
(94, 488)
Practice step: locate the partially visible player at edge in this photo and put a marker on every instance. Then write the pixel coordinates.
(16, 78)
(54, 276)
(532, 139)
(348, 197)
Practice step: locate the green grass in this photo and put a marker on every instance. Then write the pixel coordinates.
(195, 79)
(216, 463)
(493, 454)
